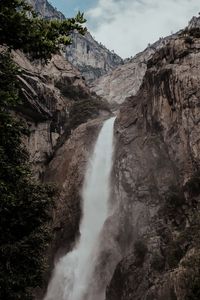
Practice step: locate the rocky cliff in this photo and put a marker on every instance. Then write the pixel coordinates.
(91, 58)
(46, 10)
(57, 101)
(156, 181)
(125, 80)
(150, 246)
(63, 119)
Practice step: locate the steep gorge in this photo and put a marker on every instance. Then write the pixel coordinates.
(150, 244)
(63, 119)
(157, 180)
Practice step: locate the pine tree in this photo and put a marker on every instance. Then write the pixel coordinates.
(21, 28)
(25, 205)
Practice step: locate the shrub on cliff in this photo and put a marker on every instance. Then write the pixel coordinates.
(25, 205)
(83, 110)
(192, 275)
(140, 251)
(193, 185)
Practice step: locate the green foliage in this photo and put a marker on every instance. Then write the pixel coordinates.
(70, 91)
(158, 262)
(194, 32)
(189, 40)
(173, 254)
(83, 110)
(193, 185)
(172, 208)
(174, 197)
(25, 206)
(20, 28)
(192, 276)
(9, 93)
(140, 251)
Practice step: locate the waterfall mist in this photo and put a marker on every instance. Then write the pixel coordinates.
(73, 273)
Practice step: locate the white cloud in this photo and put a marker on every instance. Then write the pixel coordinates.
(127, 26)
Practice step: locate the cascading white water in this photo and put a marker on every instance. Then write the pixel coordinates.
(73, 272)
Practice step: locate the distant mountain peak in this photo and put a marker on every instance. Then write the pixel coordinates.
(46, 10)
(194, 23)
(91, 58)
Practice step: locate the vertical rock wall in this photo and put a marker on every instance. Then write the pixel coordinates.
(157, 180)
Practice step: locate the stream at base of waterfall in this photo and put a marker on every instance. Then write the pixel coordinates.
(73, 272)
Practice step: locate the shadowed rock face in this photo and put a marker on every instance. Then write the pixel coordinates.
(58, 147)
(46, 109)
(157, 181)
(51, 92)
(67, 170)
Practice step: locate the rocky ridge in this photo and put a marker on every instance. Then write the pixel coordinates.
(156, 180)
(46, 10)
(152, 234)
(125, 80)
(55, 95)
(91, 58)
(63, 119)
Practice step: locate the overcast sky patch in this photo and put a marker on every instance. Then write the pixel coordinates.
(127, 26)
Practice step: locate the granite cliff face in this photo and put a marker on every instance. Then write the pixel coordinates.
(125, 80)
(55, 96)
(63, 119)
(194, 23)
(46, 10)
(91, 58)
(156, 180)
(150, 246)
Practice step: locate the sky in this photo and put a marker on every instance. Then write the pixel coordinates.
(128, 26)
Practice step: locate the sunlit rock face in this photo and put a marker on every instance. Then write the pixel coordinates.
(126, 79)
(50, 92)
(194, 23)
(156, 181)
(90, 57)
(46, 10)
(58, 148)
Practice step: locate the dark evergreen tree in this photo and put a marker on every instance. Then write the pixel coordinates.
(20, 28)
(25, 205)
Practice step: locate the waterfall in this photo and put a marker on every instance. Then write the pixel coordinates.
(73, 273)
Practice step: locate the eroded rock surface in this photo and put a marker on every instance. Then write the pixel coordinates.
(67, 170)
(125, 80)
(157, 180)
(45, 9)
(51, 91)
(91, 58)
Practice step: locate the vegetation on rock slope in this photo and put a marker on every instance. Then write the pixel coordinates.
(20, 28)
(25, 205)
